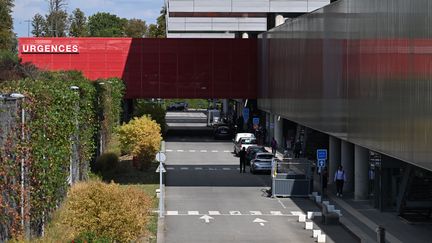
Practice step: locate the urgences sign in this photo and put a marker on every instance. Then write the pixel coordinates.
(49, 48)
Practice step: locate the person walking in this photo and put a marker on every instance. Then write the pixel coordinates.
(274, 145)
(339, 178)
(242, 155)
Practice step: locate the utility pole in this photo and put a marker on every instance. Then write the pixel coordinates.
(28, 26)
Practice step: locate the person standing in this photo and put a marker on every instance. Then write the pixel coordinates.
(339, 178)
(274, 146)
(242, 155)
(297, 148)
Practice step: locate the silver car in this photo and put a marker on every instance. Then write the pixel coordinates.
(261, 162)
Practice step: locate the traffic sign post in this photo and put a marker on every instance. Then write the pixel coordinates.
(321, 164)
(161, 157)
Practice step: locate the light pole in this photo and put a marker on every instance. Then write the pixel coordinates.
(18, 96)
(74, 171)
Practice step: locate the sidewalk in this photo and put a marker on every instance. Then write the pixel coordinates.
(361, 219)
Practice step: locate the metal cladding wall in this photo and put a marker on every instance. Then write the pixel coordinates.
(156, 68)
(360, 70)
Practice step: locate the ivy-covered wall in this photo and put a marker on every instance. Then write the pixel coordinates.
(66, 117)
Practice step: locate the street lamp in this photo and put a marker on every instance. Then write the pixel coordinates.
(18, 96)
(74, 160)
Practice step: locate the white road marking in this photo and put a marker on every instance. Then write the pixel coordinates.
(227, 151)
(235, 212)
(172, 213)
(180, 150)
(214, 213)
(212, 169)
(184, 168)
(214, 151)
(276, 213)
(170, 168)
(255, 212)
(226, 168)
(206, 218)
(193, 213)
(198, 168)
(296, 213)
(238, 168)
(280, 202)
(203, 151)
(192, 151)
(169, 150)
(260, 221)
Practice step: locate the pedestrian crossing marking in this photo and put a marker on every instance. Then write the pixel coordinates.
(235, 212)
(193, 212)
(172, 213)
(275, 213)
(255, 212)
(214, 213)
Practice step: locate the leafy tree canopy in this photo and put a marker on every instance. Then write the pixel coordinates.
(106, 25)
(6, 24)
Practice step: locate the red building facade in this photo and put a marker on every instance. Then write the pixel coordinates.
(155, 68)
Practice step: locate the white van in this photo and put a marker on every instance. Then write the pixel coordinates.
(239, 136)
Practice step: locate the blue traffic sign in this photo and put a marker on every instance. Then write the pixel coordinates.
(255, 121)
(321, 154)
(245, 114)
(321, 163)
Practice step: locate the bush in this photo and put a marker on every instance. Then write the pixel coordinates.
(106, 211)
(141, 138)
(106, 162)
(90, 237)
(155, 111)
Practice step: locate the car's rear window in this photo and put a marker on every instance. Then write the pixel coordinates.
(249, 141)
(264, 156)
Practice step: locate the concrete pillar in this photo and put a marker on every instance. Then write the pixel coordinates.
(278, 130)
(279, 19)
(225, 106)
(361, 169)
(347, 159)
(245, 35)
(334, 157)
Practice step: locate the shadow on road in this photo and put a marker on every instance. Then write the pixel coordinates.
(213, 175)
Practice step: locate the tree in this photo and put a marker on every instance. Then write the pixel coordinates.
(56, 24)
(135, 28)
(106, 25)
(78, 24)
(6, 24)
(38, 24)
(158, 30)
(141, 138)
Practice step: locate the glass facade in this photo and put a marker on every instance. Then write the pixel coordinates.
(360, 70)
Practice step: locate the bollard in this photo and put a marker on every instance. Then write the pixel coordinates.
(380, 234)
(309, 225)
(316, 233)
(302, 218)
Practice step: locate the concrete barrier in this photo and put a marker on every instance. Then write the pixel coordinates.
(315, 233)
(321, 238)
(302, 218)
(309, 225)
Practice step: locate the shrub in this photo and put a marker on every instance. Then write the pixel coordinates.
(106, 162)
(90, 237)
(141, 138)
(106, 211)
(155, 111)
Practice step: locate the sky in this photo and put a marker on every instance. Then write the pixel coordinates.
(147, 10)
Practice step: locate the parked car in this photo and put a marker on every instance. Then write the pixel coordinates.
(177, 106)
(241, 135)
(251, 152)
(261, 162)
(222, 132)
(244, 143)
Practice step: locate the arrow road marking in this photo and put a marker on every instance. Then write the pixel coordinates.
(206, 218)
(260, 221)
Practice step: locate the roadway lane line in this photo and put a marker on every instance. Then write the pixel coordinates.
(255, 212)
(192, 151)
(193, 213)
(203, 151)
(227, 151)
(214, 151)
(184, 168)
(172, 213)
(180, 150)
(226, 168)
(198, 168)
(169, 150)
(170, 168)
(235, 213)
(214, 213)
(276, 213)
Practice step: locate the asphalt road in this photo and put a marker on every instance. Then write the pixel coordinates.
(208, 200)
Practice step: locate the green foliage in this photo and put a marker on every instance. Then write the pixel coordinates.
(192, 103)
(78, 24)
(158, 30)
(6, 24)
(106, 162)
(155, 111)
(54, 114)
(135, 28)
(38, 24)
(56, 24)
(107, 211)
(91, 237)
(106, 25)
(141, 138)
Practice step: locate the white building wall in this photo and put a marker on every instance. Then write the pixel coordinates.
(216, 24)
